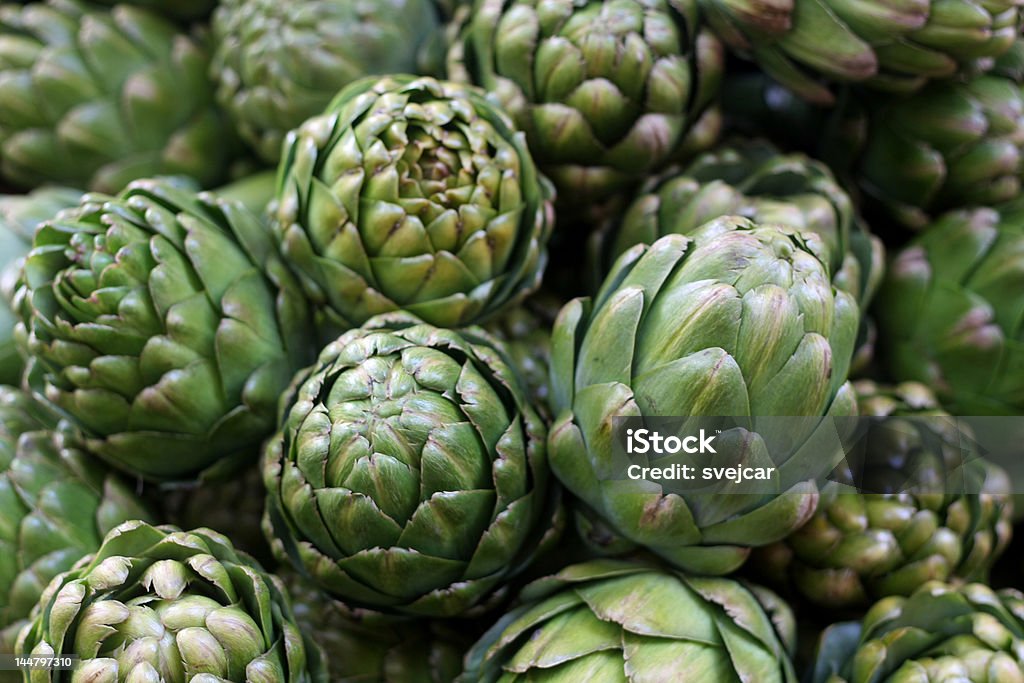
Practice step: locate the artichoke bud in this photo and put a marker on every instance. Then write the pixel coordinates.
(164, 324)
(412, 194)
(410, 475)
(734, 319)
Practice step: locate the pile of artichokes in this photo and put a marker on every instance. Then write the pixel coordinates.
(327, 328)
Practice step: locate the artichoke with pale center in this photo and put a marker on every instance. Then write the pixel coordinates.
(161, 604)
(412, 194)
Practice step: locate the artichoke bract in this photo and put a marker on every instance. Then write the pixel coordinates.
(864, 545)
(412, 194)
(19, 216)
(607, 92)
(954, 144)
(165, 324)
(940, 633)
(158, 603)
(95, 98)
(888, 45)
(736, 319)
(56, 504)
(950, 312)
(616, 621)
(410, 473)
(277, 64)
(750, 178)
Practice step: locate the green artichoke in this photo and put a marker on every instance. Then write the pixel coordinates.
(862, 546)
(950, 313)
(56, 504)
(367, 647)
(19, 216)
(940, 633)
(416, 195)
(160, 604)
(954, 144)
(751, 179)
(277, 64)
(606, 92)
(95, 98)
(614, 621)
(410, 474)
(888, 45)
(736, 319)
(166, 325)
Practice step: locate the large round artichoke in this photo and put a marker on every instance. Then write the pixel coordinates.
(56, 504)
(412, 194)
(735, 320)
(410, 474)
(606, 91)
(615, 621)
(160, 604)
(950, 312)
(19, 216)
(95, 98)
(277, 64)
(889, 45)
(166, 325)
(940, 633)
(927, 509)
(954, 144)
(751, 179)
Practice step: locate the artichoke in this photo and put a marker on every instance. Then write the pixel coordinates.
(367, 647)
(19, 216)
(754, 180)
(277, 64)
(606, 92)
(56, 504)
(892, 46)
(862, 546)
(95, 98)
(160, 604)
(950, 313)
(737, 319)
(416, 195)
(954, 144)
(166, 325)
(615, 621)
(410, 474)
(940, 633)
